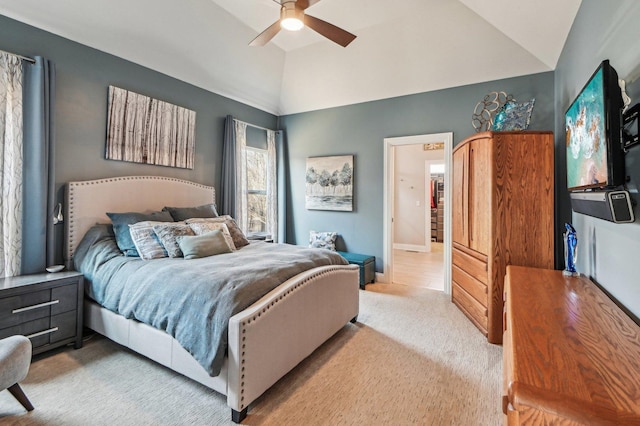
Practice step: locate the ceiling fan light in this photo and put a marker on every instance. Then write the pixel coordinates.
(290, 17)
(291, 24)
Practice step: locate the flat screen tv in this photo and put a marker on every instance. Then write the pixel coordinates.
(595, 156)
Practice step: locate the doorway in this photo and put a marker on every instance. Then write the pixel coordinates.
(408, 235)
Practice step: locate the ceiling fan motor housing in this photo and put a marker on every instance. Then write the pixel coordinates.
(291, 18)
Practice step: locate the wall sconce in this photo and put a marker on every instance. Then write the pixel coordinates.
(57, 215)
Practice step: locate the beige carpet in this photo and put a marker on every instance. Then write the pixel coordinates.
(412, 359)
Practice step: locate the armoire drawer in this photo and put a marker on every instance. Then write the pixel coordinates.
(471, 307)
(472, 266)
(472, 286)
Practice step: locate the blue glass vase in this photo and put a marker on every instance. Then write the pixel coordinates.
(570, 250)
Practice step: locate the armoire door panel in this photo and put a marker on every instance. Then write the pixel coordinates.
(460, 200)
(480, 195)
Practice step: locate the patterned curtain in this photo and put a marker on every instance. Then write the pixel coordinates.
(281, 166)
(10, 164)
(242, 216)
(272, 187)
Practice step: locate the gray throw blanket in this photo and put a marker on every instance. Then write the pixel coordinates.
(192, 300)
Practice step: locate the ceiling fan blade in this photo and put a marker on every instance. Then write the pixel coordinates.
(303, 4)
(265, 36)
(330, 31)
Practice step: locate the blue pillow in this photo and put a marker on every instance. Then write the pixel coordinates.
(204, 245)
(184, 213)
(121, 222)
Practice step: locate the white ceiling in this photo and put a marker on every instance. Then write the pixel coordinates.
(402, 46)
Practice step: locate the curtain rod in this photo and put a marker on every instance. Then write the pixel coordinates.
(254, 126)
(24, 58)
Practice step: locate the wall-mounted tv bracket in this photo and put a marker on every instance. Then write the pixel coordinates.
(630, 127)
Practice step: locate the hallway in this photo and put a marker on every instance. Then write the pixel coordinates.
(420, 269)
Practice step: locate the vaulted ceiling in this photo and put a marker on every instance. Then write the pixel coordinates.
(402, 46)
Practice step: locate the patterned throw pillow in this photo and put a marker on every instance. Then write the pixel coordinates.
(147, 243)
(167, 233)
(201, 228)
(325, 240)
(239, 239)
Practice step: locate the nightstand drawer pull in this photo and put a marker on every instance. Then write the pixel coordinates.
(39, 305)
(40, 333)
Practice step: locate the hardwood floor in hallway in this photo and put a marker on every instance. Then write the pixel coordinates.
(419, 269)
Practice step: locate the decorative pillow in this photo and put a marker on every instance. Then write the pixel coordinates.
(239, 239)
(204, 245)
(146, 241)
(325, 240)
(121, 222)
(204, 227)
(167, 233)
(184, 213)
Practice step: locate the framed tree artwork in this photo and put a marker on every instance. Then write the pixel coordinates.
(329, 183)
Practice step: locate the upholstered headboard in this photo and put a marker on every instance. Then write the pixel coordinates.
(88, 201)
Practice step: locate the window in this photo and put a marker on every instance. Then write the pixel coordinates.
(257, 189)
(256, 182)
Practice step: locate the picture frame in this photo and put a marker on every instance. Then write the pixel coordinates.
(329, 183)
(145, 130)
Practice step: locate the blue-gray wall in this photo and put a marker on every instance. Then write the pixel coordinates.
(83, 77)
(607, 252)
(361, 129)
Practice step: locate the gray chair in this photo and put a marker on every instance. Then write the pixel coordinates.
(15, 359)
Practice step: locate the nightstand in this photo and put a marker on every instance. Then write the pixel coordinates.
(47, 308)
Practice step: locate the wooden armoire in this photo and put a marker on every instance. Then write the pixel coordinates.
(503, 214)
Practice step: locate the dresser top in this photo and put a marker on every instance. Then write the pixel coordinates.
(574, 349)
(26, 280)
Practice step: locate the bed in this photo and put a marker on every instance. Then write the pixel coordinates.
(264, 341)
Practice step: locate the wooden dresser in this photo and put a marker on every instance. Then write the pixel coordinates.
(571, 355)
(503, 214)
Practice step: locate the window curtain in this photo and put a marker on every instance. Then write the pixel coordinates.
(39, 202)
(11, 81)
(233, 189)
(241, 217)
(228, 181)
(281, 235)
(272, 186)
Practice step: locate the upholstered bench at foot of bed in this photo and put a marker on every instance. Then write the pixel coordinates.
(365, 262)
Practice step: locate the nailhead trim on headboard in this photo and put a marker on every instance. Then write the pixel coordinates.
(72, 232)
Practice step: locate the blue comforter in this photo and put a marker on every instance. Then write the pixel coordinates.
(192, 300)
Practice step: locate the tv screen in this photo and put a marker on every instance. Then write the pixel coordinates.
(595, 157)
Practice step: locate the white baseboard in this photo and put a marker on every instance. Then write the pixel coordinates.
(410, 247)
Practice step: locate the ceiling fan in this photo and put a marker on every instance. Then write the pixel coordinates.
(293, 18)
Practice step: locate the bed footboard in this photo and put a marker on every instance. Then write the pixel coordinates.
(270, 338)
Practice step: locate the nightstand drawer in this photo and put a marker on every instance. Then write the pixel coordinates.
(67, 296)
(66, 325)
(45, 330)
(25, 307)
(34, 330)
